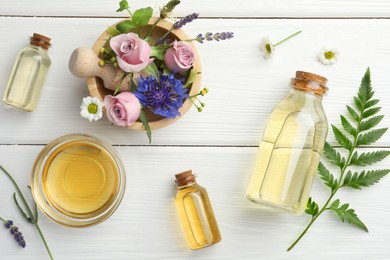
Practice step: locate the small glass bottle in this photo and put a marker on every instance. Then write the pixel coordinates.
(28, 74)
(291, 147)
(195, 211)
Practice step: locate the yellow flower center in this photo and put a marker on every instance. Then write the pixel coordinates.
(329, 55)
(268, 47)
(92, 108)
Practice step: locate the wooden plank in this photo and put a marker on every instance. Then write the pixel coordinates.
(147, 217)
(221, 8)
(243, 86)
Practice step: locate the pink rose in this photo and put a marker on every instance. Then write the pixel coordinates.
(133, 53)
(179, 57)
(122, 109)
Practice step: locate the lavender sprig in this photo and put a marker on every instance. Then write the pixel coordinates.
(14, 230)
(214, 36)
(31, 217)
(183, 21)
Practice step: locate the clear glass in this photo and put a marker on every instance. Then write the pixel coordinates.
(78, 180)
(27, 78)
(197, 216)
(289, 153)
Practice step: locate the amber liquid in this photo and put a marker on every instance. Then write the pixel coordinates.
(79, 179)
(197, 217)
(289, 153)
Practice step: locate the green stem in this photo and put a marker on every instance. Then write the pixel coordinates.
(343, 170)
(168, 32)
(285, 39)
(2, 219)
(153, 26)
(29, 211)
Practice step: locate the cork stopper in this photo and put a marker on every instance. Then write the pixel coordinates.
(185, 178)
(309, 82)
(40, 40)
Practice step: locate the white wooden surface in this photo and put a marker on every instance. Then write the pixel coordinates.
(220, 144)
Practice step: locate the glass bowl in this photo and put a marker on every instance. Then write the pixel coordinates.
(78, 180)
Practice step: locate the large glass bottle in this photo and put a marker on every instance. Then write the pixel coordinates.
(28, 74)
(291, 147)
(196, 213)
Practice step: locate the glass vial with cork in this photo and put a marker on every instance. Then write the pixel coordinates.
(195, 211)
(28, 74)
(291, 147)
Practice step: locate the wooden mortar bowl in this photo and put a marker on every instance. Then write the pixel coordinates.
(97, 89)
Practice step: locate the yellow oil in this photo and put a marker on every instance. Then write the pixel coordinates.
(79, 179)
(289, 153)
(197, 217)
(27, 78)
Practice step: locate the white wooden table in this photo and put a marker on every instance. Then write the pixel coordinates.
(219, 144)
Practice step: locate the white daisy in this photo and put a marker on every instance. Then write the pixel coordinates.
(91, 109)
(267, 48)
(328, 56)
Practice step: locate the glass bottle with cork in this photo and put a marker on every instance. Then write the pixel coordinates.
(291, 147)
(28, 74)
(195, 211)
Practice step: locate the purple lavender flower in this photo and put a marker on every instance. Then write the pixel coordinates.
(14, 230)
(161, 41)
(216, 36)
(164, 97)
(183, 21)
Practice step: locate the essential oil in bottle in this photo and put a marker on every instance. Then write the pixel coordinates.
(79, 179)
(28, 74)
(196, 213)
(291, 147)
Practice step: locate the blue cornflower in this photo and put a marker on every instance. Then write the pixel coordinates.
(164, 97)
(14, 230)
(183, 21)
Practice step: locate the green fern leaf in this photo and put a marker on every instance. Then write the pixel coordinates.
(371, 136)
(369, 158)
(311, 207)
(365, 92)
(333, 156)
(364, 179)
(371, 112)
(353, 113)
(371, 103)
(327, 177)
(341, 138)
(347, 126)
(359, 105)
(347, 214)
(370, 123)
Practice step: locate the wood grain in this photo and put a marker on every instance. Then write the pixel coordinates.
(147, 217)
(243, 86)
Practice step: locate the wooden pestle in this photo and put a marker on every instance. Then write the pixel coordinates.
(83, 63)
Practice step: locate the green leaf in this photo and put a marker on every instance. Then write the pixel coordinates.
(125, 26)
(364, 179)
(348, 215)
(370, 123)
(327, 177)
(112, 31)
(333, 156)
(347, 126)
(353, 113)
(369, 158)
(370, 137)
(371, 112)
(311, 208)
(152, 70)
(371, 103)
(191, 77)
(158, 52)
(123, 5)
(133, 86)
(341, 138)
(144, 120)
(142, 16)
(20, 209)
(365, 91)
(335, 204)
(358, 103)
